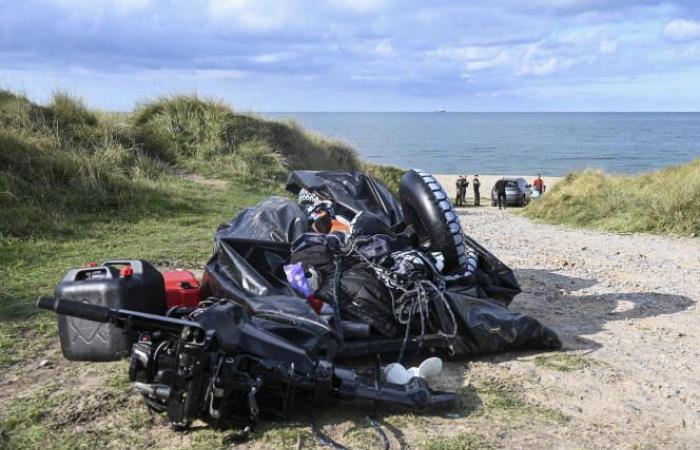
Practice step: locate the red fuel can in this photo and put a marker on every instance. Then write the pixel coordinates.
(181, 289)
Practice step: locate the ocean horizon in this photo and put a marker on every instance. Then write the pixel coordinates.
(550, 143)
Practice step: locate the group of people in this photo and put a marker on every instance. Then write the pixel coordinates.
(461, 188)
(538, 188)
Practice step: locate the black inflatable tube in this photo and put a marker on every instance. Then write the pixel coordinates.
(428, 210)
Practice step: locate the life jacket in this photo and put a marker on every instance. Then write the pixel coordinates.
(340, 224)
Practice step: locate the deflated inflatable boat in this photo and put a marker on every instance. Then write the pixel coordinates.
(406, 269)
(294, 285)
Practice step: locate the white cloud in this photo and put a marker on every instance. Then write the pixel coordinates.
(607, 47)
(501, 58)
(188, 75)
(469, 53)
(268, 58)
(538, 62)
(475, 58)
(539, 67)
(360, 5)
(384, 48)
(254, 15)
(682, 30)
(101, 8)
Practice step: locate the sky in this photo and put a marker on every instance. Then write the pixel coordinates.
(359, 55)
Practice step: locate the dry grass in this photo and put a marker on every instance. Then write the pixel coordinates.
(664, 201)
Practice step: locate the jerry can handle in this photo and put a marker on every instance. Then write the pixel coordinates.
(82, 273)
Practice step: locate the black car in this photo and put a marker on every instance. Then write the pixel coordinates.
(517, 192)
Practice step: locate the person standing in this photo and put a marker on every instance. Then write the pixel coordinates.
(458, 190)
(476, 184)
(538, 184)
(501, 192)
(463, 192)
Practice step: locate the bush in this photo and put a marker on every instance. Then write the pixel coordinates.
(389, 175)
(200, 131)
(664, 201)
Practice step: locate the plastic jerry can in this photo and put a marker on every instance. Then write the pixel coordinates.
(125, 284)
(181, 289)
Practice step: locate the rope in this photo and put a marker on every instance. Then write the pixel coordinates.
(415, 299)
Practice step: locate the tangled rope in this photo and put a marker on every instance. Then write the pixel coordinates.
(416, 292)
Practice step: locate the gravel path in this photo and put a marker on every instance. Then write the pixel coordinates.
(627, 305)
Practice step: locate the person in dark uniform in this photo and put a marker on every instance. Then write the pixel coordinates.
(460, 189)
(501, 192)
(463, 192)
(476, 184)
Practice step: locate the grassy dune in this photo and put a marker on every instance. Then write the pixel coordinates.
(664, 201)
(62, 161)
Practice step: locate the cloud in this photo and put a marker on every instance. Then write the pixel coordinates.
(542, 67)
(384, 48)
(682, 30)
(500, 59)
(372, 51)
(607, 47)
(121, 7)
(254, 15)
(469, 53)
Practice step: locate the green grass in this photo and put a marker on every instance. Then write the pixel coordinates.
(52, 417)
(33, 266)
(389, 175)
(504, 399)
(466, 440)
(664, 201)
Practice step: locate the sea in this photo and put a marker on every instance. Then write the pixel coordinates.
(552, 144)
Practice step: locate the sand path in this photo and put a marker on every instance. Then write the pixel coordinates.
(627, 305)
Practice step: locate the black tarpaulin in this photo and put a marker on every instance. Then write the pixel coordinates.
(352, 192)
(276, 219)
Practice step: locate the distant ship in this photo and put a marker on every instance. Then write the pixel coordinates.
(441, 111)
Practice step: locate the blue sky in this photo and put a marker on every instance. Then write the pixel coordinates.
(360, 55)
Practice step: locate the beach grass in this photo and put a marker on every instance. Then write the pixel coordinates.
(665, 201)
(63, 165)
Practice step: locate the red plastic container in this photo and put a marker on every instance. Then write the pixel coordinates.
(181, 289)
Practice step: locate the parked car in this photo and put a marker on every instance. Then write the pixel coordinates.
(517, 192)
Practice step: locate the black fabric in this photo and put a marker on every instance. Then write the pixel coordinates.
(502, 200)
(244, 268)
(276, 219)
(500, 186)
(351, 192)
(361, 295)
(488, 328)
(293, 319)
(364, 298)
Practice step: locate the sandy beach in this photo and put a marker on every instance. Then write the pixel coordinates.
(487, 182)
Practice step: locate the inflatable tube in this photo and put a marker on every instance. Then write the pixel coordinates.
(428, 210)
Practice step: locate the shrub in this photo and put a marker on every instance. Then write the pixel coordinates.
(664, 201)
